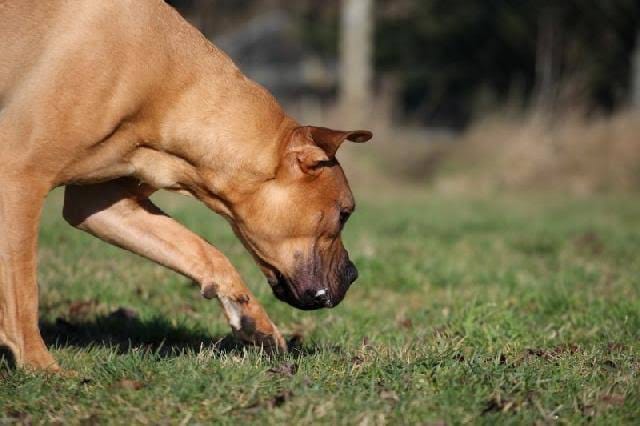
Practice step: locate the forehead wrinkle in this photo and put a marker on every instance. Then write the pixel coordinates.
(320, 220)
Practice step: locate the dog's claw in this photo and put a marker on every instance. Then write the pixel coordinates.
(279, 344)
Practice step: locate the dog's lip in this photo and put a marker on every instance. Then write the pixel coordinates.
(284, 290)
(270, 272)
(275, 277)
(279, 282)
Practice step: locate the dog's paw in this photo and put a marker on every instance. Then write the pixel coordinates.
(250, 323)
(41, 362)
(274, 341)
(266, 336)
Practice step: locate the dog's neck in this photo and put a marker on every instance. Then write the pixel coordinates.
(227, 127)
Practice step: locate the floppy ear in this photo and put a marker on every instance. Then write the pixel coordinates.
(311, 159)
(330, 140)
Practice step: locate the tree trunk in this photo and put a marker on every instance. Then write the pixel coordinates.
(356, 67)
(546, 58)
(204, 10)
(635, 75)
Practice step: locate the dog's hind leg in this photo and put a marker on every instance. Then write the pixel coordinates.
(120, 213)
(20, 207)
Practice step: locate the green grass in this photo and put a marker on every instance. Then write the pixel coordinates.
(513, 311)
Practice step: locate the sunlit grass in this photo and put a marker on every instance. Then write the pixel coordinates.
(482, 311)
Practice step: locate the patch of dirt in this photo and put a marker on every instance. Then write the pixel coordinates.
(389, 395)
(604, 402)
(612, 400)
(589, 242)
(124, 314)
(82, 308)
(186, 308)
(458, 356)
(274, 401)
(18, 417)
(616, 347)
(501, 404)
(280, 398)
(91, 419)
(286, 369)
(357, 360)
(365, 343)
(552, 353)
(129, 384)
(405, 323)
(498, 405)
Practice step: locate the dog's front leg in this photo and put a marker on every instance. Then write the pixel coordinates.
(20, 206)
(120, 213)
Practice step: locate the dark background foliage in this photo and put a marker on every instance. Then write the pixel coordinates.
(450, 59)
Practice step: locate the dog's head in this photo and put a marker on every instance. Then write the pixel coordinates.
(292, 222)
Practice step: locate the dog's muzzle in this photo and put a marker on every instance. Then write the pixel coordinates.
(309, 296)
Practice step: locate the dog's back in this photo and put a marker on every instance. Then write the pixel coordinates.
(82, 65)
(23, 31)
(71, 71)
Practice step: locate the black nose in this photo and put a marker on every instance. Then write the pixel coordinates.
(351, 273)
(320, 297)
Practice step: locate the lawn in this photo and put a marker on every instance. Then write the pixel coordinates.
(515, 310)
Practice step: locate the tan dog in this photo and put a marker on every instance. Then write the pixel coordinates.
(121, 98)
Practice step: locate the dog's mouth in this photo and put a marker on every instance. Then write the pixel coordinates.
(284, 289)
(281, 287)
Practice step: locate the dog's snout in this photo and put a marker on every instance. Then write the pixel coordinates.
(320, 297)
(321, 294)
(351, 272)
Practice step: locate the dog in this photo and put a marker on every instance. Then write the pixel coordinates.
(116, 100)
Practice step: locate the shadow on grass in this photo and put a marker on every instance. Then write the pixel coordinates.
(156, 335)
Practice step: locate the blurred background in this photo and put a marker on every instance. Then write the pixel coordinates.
(462, 95)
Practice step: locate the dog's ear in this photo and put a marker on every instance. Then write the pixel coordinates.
(315, 147)
(311, 159)
(330, 140)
